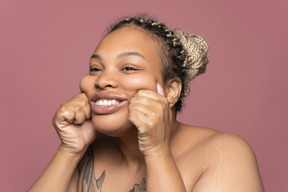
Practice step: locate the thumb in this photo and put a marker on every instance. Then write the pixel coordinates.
(88, 129)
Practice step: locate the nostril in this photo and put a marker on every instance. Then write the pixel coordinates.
(108, 86)
(106, 83)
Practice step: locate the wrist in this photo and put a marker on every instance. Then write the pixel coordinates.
(67, 154)
(158, 154)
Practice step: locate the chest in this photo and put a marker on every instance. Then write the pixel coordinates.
(107, 177)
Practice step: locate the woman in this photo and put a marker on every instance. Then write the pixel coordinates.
(121, 133)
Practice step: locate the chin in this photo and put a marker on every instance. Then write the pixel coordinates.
(111, 125)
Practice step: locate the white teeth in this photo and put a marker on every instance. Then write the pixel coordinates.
(105, 102)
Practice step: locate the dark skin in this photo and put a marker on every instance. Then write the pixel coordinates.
(135, 142)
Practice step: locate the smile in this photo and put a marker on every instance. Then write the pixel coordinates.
(106, 102)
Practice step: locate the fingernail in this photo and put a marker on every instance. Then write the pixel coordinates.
(159, 89)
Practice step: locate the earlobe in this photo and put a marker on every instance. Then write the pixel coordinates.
(173, 90)
(174, 100)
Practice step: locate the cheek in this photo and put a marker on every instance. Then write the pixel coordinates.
(143, 81)
(85, 83)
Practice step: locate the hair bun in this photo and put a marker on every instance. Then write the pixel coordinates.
(194, 54)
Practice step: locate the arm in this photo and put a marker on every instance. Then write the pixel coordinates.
(162, 172)
(58, 174)
(152, 115)
(76, 133)
(232, 167)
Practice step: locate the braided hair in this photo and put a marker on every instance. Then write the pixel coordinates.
(183, 55)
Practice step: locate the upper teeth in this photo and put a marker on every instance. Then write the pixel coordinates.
(105, 102)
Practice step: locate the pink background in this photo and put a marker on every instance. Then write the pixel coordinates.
(45, 48)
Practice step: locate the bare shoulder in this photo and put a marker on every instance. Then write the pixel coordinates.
(214, 140)
(226, 161)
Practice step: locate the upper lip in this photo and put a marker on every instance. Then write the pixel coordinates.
(109, 96)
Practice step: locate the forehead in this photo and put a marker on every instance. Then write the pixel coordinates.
(129, 38)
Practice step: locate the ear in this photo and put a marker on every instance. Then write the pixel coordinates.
(173, 90)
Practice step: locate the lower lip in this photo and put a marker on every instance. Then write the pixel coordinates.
(106, 110)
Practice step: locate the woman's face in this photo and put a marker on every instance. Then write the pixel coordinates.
(125, 61)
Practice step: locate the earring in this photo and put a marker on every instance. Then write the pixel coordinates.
(174, 100)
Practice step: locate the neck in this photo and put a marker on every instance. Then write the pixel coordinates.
(129, 148)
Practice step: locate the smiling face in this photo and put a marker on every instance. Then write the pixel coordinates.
(125, 61)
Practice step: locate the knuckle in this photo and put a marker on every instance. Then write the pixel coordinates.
(62, 110)
(154, 114)
(63, 103)
(80, 95)
(83, 102)
(80, 99)
(77, 108)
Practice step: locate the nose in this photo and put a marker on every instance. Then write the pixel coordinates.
(106, 80)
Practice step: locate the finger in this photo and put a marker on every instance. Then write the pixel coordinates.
(86, 107)
(84, 102)
(151, 114)
(142, 108)
(80, 115)
(87, 127)
(70, 114)
(149, 94)
(63, 116)
(146, 104)
(80, 100)
(139, 120)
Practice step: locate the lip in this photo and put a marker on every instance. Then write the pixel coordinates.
(105, 110)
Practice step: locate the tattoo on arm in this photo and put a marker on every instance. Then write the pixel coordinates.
(89, 182)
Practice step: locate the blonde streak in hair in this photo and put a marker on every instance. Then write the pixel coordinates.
(193, 55)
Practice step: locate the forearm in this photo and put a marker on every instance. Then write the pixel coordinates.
(162, 173)
(58, 174)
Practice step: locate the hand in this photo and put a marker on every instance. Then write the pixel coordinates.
(73, 125)
(150, 113)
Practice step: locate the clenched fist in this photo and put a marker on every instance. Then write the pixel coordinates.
(150, 113)
(73, 125)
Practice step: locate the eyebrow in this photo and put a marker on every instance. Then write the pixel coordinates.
(95, 56)
(121, 55)
(127, 54)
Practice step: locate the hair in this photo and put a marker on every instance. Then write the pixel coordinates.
(183, 55)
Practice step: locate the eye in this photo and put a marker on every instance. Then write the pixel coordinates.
(94, 69)
(129, 69)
